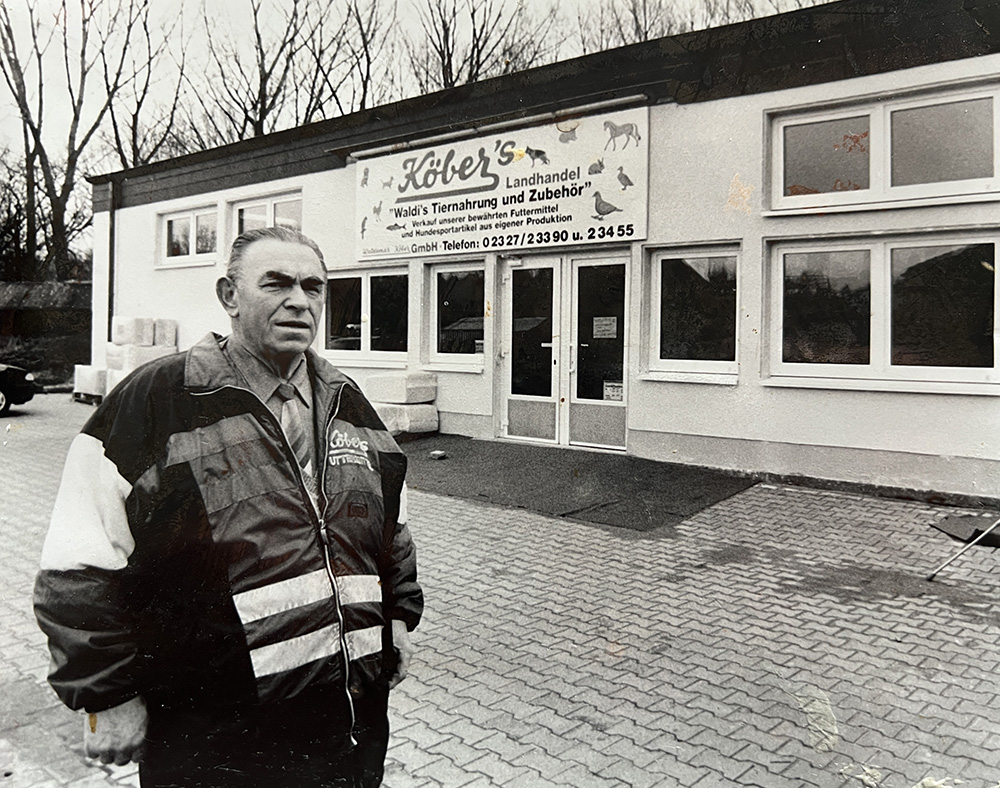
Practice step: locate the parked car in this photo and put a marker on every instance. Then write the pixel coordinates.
(17, 386)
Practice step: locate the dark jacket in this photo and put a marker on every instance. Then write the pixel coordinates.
(187, 563)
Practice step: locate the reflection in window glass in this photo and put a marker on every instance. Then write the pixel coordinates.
(531, 332)
(251, 217)
(943, 142)
(828, 156)
(178, 237)
(288, 214)
(698, 308)
(460, 300)
(343, 309)
(205, 233)
(826, 307)
(389, 312)
(942, 306)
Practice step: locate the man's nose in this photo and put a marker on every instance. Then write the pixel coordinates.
(296, 298)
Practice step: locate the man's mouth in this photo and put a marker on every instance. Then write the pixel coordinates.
(296, 324)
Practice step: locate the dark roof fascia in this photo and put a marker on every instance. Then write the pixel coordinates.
(824, 43)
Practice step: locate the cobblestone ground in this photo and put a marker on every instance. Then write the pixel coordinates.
(784, 637)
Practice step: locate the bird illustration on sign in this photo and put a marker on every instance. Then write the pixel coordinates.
(623, 179)
(602, 207)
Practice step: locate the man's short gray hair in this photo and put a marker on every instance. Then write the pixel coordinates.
(244, 241)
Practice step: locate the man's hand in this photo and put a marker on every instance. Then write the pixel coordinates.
(116, 734)
(401, 642)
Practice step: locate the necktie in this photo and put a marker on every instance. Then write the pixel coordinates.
(295, 430)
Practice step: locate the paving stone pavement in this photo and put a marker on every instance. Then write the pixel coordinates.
(783, 637)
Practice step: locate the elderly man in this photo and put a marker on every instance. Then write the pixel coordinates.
(228, 581)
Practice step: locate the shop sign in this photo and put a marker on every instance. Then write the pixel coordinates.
(577, 180)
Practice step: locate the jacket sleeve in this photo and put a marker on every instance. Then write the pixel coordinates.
(78, 590)
(404, 599)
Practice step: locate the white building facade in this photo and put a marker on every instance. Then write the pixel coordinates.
(769, 248)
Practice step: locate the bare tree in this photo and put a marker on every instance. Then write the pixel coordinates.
(143, 121)
(347, 66)
(622, 22)
(632, 21)
(462, 41)
(278, 76)
(86, 35)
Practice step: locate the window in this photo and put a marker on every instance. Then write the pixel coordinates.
(284, 211)
(915, 309)
(458, 308)
(895, 150)
(368, 312)
(693, 322)
(189, 238)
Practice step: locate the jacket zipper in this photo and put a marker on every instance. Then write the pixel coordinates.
(317, 509)
(325, 539)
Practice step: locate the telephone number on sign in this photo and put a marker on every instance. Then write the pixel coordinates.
(526, 239)
(610, 231)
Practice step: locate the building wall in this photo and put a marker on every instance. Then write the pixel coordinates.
(911, 439)
(704, 157)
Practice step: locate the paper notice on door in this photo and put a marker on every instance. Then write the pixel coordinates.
(606, 327)
(614, 391)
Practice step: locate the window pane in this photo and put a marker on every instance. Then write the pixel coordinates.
(252, 217)
(827, 305)
(531, 334)
(943, 142)
(829, 156)
(288, 214)
(942, 306)
(698, 308)
(178, 237)
(343, 309)
(205, 233)
(389, 312)
(600, 315)
(460, 302)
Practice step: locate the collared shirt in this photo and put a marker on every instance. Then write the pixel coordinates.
(264, 383)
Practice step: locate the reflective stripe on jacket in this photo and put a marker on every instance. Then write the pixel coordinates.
(186, 562)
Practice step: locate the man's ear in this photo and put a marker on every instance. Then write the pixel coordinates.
(225, 289)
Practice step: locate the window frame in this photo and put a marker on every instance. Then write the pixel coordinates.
(880, 190)
(657, 368)
(193, 258)
(365, 351)
(269, 201)
(466, 360)
(879, 373)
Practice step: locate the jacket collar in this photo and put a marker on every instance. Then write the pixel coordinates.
(206, 368)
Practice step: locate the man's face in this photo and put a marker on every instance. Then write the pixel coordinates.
(278, 299)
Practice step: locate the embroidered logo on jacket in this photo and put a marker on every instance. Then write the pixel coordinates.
(348, 450)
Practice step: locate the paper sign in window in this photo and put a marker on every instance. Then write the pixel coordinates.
(606, 327)
(614, 391)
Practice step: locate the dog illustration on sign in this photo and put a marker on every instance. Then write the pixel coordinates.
(536, 155)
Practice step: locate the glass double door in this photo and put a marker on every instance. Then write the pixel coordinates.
(564, 350)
